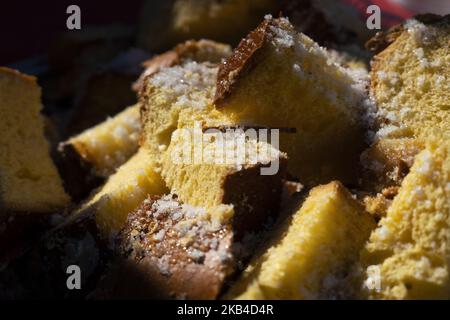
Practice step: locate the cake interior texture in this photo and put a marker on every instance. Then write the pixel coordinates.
(410, 81)
(312, 252)
(409, 249)
(123, 192)
(110, 144)
(29, 180)
(282, 79)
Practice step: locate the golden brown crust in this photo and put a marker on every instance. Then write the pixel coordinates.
(166, 268)
(16, 73)
(240, 61)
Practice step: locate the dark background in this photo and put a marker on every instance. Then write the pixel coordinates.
(28, 27)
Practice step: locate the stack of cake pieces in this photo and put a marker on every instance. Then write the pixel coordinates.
(187, 195)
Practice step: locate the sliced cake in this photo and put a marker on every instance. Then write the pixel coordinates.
(409, 78)
(29, 180)
(282, 79)
(123, 192)
(408, 255)
(312, 252)
(176, 97)
(172, 250)
(192, 50)
(96, 153)
(213, 168)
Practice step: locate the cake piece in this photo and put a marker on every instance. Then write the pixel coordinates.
(191, 50)
(282, 79)
(409, 253)
(167, 23)
(177, 97)
(410, 82)
(172, 250)
(213, 168)
(311, 253)
(95, 154)
(123, 192)
(29, 180)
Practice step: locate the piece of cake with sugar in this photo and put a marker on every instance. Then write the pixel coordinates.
(213, 168)
(95, 154)
(279, 78)
(29, 180)
(409, 78)
(191, 50)
(172, 250)
(310, 254)
(123, 192)
(176, 97)
(409, 252)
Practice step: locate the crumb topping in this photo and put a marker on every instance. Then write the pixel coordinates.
(188, 85)
(173, 232)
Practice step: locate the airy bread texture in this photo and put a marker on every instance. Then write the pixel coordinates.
(205, 173)
(123, 192)
(410, 82)
(29, 180)
(315, 249)
(282, 79)
(411, 248)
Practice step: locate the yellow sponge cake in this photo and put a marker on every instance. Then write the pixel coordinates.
(280, 78)
(409, 79)
(29, 180)
(312, 253)
(207, 173)
(123, 192)
(176, 97)
(410, 249)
